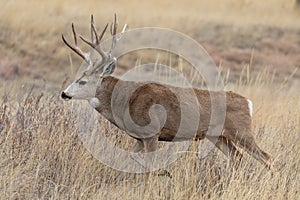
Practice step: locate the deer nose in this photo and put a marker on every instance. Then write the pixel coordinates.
(65, 96)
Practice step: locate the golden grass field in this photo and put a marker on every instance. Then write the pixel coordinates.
(256, 45)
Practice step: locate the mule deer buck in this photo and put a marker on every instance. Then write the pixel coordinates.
(237, 125)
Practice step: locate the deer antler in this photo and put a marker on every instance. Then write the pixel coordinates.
(113, 31)
(76, 49)
(95, 43)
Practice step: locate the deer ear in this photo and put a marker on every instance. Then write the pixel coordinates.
(109, 68)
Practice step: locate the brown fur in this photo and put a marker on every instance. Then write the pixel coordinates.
(237, 124)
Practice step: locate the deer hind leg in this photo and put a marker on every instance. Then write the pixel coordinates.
(247, 142)
(255, 151)
(227, 147)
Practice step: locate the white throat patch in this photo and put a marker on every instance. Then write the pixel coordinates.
(94, 102)
(250, 106)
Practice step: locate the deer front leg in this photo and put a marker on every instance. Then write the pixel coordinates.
(150, 145)
(138, 147)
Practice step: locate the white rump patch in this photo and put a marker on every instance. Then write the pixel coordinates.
(250, 106)
(94, 102)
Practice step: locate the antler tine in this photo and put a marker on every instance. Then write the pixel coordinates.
(104, 30)
(92, 23)
(95, 43)
(75, 49)
(113, 31)
(96, 34)
(114, 26)
(122, 32)
(74, 34)
(116, 22)
(95, 46)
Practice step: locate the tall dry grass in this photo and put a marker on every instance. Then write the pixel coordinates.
(43, 157)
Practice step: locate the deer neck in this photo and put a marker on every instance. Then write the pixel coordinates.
(102, 100)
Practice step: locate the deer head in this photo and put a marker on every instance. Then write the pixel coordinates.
(96, 69)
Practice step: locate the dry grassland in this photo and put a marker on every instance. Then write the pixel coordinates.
(257, 45)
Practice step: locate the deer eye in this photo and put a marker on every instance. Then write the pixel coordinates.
(82, 82)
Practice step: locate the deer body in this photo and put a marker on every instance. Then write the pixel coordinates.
(237, 129)
(147, 95)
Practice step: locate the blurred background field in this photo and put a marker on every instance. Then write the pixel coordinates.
(255, 44)
(232, 32)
